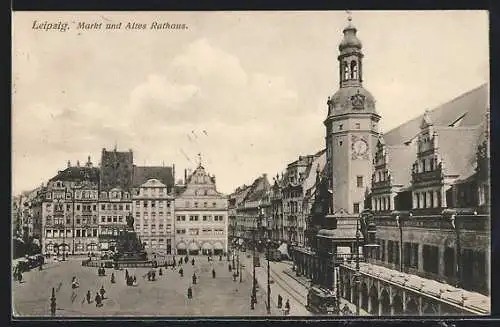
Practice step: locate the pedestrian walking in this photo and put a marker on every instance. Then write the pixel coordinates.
(194, 278)
(280, 301)
(220, 258)
(213, 273)
(190, 293)
(230, 268)
(98, 300)
(89, 296)
(186, 259)
(234, 276)
(192, 262)
(126, 274)
(112, 278)
(287, 307)
(74, 283)
(102, 292)
(160, 272)
(181, 272)
(134, 281)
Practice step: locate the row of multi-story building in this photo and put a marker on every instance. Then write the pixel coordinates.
(83, 208)
(425, 182)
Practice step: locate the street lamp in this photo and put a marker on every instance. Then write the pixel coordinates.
(254, 286)
(357, 274)
(268, 278)
(453, 213)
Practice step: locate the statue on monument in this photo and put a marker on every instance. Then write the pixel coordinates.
(130, 221)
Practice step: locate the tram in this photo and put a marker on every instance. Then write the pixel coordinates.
(322, 301)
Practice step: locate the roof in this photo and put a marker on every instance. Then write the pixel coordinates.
(258, 189)
(153, 182)
(458, 123)
(458, 148)
(474, 104)
(75, 174)
(142, 174)
(319, 161)
(179, 189)
(400, 160)
(470, 301)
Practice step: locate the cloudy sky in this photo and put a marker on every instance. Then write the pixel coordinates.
(247, 90)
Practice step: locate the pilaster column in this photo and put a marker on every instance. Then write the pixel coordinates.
(441, 261)
(420, 257)
(443, 198)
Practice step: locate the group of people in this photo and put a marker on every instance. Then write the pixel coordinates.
(101, 271)
(98, 297)
(130, 280)
(286, 310)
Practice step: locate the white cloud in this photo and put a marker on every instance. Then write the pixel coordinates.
(236, 115)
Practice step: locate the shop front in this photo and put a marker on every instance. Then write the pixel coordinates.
(193, 249)
(218, 248)
(181, 248)
(206, 248)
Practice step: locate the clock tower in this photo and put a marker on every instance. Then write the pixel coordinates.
(351, 130)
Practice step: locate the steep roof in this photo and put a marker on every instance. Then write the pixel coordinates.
(77, 174)
(319, 161)
(400, 160)
(142, 174)
(458, 124)
(458, 148)
(468, 109)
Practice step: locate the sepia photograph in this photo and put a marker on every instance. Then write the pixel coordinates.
(312, 164)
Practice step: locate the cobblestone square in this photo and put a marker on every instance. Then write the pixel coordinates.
(167, 296)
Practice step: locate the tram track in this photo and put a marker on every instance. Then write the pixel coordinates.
(296, 295)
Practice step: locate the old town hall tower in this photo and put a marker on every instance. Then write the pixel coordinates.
(351, 130)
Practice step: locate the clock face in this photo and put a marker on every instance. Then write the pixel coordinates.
(360, 147)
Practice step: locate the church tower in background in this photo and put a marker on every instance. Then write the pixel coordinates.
(351, 130)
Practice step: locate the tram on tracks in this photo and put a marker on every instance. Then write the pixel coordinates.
(322, 301)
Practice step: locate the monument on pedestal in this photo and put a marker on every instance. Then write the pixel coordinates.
(129, 247)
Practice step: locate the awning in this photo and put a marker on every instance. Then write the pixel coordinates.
(181, 246)
(218, 246)
(206, 246)
(193, 246)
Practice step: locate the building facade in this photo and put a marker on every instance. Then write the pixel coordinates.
(114, 207)
(201, 216)
(430, 195)
(69, 211)
(153, 210)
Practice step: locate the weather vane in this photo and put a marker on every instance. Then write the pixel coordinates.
(199, 159)
(349, 15)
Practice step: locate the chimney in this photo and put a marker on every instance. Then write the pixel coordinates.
(185, 176)
(69, 164)
(173, 172)
(78, 163)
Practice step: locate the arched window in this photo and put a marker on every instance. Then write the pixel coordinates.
(354, 70)
(346, 71)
